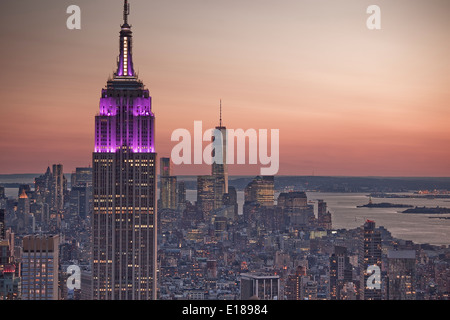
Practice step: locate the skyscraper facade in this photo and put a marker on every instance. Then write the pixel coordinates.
(219, 168)
(40, 261)
(205, 195)
(261, 191)
(369, 256)
(168, 189)
(340, 272)
(323, 216)
(401, 274)
(124, 185)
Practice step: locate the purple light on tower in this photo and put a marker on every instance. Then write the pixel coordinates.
(125, 115)
(124, 215)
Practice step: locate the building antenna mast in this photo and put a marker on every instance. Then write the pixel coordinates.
(126, 11)
(220, 113)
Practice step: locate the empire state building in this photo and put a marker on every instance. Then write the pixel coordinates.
(124, 185)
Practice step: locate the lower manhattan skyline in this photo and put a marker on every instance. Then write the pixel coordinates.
(214, 158)
(348, 101)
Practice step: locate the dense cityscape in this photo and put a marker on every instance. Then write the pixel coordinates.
(207, 250)
(125, 229)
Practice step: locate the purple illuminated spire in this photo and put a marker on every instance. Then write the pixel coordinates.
(125, 118)
(125, 63)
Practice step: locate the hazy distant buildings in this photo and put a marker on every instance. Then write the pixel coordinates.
(59, 189)
(124, 223)
(80, 196)
(260, 191)
(205, 195)
(230, 201)
(168, 189)
(81, 176)
(294, 206)
(51, 195)
(40, 260)
(2, 224)
(323, 216)
(81, 200)
(24, 220)
(181, 196)
(370, 256)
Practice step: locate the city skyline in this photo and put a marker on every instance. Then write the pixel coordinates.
(115, 230)
(348, 101)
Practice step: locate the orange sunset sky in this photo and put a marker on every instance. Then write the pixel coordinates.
(348, 101)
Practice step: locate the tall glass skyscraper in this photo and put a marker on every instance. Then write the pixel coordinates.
(124, 185)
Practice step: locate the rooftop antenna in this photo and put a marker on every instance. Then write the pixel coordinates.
(220, 112)
(126, 11)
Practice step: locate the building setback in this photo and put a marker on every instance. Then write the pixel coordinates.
(124, 185)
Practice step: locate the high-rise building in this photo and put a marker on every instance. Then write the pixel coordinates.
(168, 189)
(80, 196)
(124, 185)
(259, 285)
(181, 195)
(219, 167)
(59, 186)
(294, 205)
(25, 220)
(401, 274)
(2, 224)
(165, 167)
(323, 216)
(261, 191)
(340, 272)
(230, 200)
(9, 273)
(294, 284)
(81, 176)
(81, 200)
(205, 195)
(40, 260)
(370, 256)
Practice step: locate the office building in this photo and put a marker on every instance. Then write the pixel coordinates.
(10, 283)
(40, 260)
(181, 195)
(59, 189)
(168, 189)
(340, 272)
(294, 284)
(294, 205)
(205, 196)
(124, 223)
(323, 216)
(370, 256)
(2, 224)
(401, 274)
(259, 285)
(219, 166)
(261, 191)
(81, 176)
